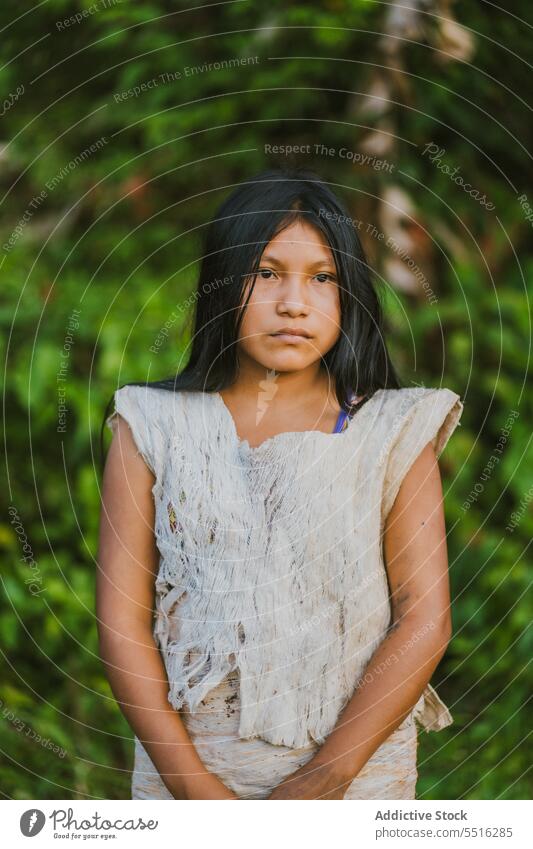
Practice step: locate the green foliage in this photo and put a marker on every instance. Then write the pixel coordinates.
(117, 238)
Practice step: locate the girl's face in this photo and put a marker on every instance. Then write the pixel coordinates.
(297, 289)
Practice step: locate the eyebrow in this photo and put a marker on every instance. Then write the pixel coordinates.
(320, 262)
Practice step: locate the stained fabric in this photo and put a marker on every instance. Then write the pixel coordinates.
(271, 560)
(252, 768)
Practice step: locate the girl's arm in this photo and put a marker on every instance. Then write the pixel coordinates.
(417, 567)
(128, 561)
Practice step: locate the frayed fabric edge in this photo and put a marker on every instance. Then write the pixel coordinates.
(431, 712)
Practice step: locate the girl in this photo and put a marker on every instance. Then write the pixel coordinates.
(279, 504)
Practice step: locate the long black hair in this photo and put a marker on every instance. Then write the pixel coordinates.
(249, 218)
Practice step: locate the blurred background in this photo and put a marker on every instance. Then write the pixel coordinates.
(124, 125)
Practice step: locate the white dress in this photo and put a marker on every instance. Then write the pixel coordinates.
(272, 594)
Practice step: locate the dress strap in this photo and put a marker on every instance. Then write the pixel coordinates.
(344, 417)
(342, 421)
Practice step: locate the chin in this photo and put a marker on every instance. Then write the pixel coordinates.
(284, 363)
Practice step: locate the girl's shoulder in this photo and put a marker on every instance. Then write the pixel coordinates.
(409, 418)
(391, 408)
(409, 395)
(158, 416)
(414, 413)
(139, 404)
(151, 413)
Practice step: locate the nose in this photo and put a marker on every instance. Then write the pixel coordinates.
(291, 294)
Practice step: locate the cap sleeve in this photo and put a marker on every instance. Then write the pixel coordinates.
(418, 416)
(140, 408)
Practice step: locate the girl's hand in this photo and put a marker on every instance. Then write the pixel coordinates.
(311, 781)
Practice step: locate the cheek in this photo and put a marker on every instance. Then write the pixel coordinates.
(330, 311)
(256, 318)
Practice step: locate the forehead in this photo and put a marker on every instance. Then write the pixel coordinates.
(300, 239)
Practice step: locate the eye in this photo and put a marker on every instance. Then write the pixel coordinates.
(265, 271)
(325, 274)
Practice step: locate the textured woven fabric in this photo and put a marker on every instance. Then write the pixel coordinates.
(253, 768)
(271, 556)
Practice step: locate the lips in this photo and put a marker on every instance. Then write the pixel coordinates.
(296, 331)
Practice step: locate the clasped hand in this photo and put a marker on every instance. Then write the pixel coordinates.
(311, 781)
